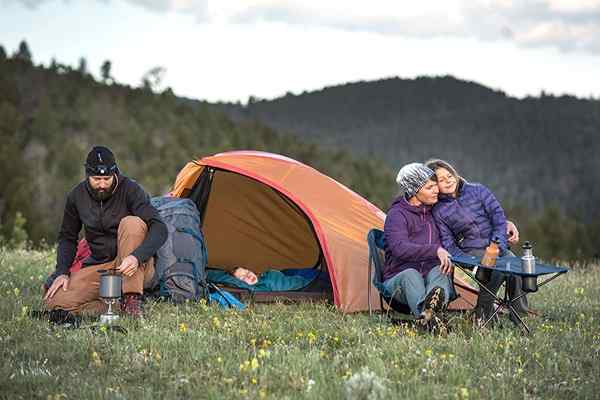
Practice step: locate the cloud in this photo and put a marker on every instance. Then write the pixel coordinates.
(568, 25)
(563, 24)
(198, 8)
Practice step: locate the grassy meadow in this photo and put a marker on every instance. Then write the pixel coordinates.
(295, 351)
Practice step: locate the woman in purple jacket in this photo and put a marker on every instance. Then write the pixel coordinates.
(417, 268)
(468, 216)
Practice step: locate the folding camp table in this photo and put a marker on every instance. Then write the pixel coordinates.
(508, 266)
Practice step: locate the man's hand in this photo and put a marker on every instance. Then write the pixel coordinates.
(60, 281)
(445, 264)
(512, 232)
(128, 266)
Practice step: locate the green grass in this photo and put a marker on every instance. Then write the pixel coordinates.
(305, 351)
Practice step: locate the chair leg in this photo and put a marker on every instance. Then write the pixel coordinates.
(369, 289)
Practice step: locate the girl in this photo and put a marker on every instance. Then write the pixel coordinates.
(468, 216)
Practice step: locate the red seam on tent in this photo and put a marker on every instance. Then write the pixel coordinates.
(279, 157)
(321, 237)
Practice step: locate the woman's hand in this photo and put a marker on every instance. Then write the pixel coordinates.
(512, 232)
(445, 264)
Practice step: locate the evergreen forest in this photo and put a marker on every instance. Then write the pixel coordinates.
(51, 115)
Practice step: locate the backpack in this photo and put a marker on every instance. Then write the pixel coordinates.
(181, 261)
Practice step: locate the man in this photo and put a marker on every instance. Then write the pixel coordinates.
(123, 231)
(417, 268)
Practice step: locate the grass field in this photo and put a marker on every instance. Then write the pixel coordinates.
(290, 351)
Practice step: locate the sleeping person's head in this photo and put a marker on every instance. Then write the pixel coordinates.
(245, 275)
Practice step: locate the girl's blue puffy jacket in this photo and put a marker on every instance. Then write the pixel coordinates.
(470, 220)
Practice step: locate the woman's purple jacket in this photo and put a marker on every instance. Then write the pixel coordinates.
(411, 239)
(470, 220)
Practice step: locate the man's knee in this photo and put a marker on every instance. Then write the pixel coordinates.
(132, 224)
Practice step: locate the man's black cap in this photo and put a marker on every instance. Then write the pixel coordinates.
(100, 162)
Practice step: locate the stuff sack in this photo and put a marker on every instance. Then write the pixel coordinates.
(181, 261)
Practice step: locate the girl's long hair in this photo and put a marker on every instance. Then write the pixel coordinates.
(436, 163)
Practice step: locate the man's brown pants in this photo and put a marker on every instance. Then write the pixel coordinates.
(82, 295)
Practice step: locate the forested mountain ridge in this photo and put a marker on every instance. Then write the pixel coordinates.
(51, 116)
(533, 153)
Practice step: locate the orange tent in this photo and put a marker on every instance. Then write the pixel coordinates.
(262, 210)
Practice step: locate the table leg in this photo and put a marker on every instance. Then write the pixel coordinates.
(506, 302)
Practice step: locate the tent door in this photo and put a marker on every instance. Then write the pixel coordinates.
(201, 191)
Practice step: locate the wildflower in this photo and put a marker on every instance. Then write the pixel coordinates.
(16, 291)
(253, 381)
(463, 393)
(216, 322)
(254, 364)
(579, 291)
(262, 353)
(244, 366)
(96, 359)
(183, 327)
(312, 338)
(365, 385)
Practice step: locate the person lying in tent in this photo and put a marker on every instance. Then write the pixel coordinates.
(271, 280)
(417, 269)
(245, 275)
(123, 231)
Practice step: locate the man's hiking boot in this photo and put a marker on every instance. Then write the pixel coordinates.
(58, 317)
(434, 303)
(132, 305)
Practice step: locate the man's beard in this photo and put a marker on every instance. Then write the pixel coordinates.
(102, 195)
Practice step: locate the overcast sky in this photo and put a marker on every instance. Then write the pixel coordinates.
(231, 49)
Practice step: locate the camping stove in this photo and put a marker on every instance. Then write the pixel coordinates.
(110, 293)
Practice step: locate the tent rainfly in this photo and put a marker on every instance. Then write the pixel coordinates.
(266, 211)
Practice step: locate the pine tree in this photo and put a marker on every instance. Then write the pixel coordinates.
(23, 53)
(82, 69)
(105, 71)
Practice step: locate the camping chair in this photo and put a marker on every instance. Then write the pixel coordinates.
(376, 242)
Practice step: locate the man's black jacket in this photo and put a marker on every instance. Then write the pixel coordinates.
(101, 222)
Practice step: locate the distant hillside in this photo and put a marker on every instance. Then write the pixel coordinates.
(533, 153)
(50, 118)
